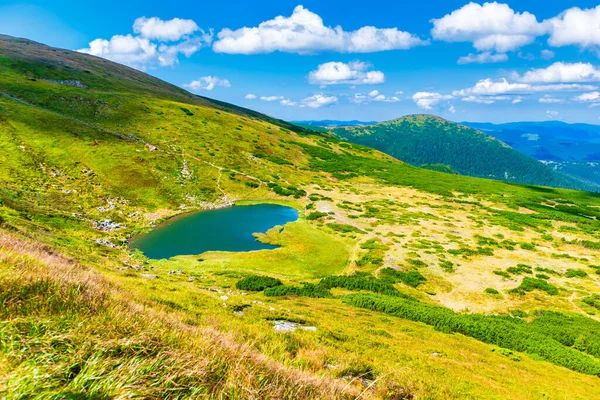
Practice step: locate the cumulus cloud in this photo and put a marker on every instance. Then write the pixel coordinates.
(129, 50)
(207, 83)
(588, 97)
(305, 33)
(353, 73)
(156, 42)
(490, 27)
(250, 96)
(489, 87)
(548, 99)
(172, 30)
(319, 100)
(485, 99)
(373, 96)
(482, 58)
(547, 54)
(561, 72)
(575, 26)
(552, 114)
(287, 102)
(427, 100)
(271, 98)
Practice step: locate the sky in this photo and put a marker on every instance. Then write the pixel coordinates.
(346, 60)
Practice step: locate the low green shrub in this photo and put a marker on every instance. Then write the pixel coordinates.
(542, 339)
(307, 290)
(257, 283)
(315, 215)
(529, 284)
(575, 273)
(410, 278)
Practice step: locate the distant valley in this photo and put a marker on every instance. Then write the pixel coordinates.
(570, 150)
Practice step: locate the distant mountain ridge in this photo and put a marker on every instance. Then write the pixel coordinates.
(426, 140)
(572, 149)
(333, 122)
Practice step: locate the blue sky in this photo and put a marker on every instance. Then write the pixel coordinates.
(377, 60)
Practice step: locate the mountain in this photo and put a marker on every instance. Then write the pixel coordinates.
(330, 122)
(572, 149)
(395, 282)
(550, 140)
(425, 140)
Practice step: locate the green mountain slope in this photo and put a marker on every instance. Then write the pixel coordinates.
(427, 140)
(386, 262)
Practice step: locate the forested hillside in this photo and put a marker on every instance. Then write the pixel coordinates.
(428, 140)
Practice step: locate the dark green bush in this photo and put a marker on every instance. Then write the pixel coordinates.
(542, 337)
(530, 284)
(315, 215)
(575, 273)
(307, 290)
(257, 283)
(410, 278)
(491, 291)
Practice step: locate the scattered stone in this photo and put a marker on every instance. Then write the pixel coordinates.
(106, 243)
(148, 276)
(224, 297)
(66, 82)
(240, 313)
(107, 225)
(151, 147)
(178, 272)
(287, 326)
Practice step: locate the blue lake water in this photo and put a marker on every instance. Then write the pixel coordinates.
(226, 229)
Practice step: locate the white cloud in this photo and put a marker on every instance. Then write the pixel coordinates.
(353, 73)
(287, 102)
(172, 30)
(304, 32)
(517, 100)
(271, 98)
(319, 100)
(561, 72)
(491, 26)
(547, 54)
(427, 100)
(250, 96)
(399, 92)
(482, 58)
(489, 87)
(552, 114)
(452, 109)
(548, 99)
(575, 27)
(207, 83)
(129, 50)
(158, 43)
(588, 97)
(373, 96)
(485, 99)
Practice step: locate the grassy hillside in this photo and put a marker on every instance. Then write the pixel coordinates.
(408, 280)
(426, 140)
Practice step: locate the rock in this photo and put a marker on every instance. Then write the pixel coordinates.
(151, 147)
(148, 276)
(224, 297)
(287, 326)
(106, 243)
(107, 225)
(240, 313)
